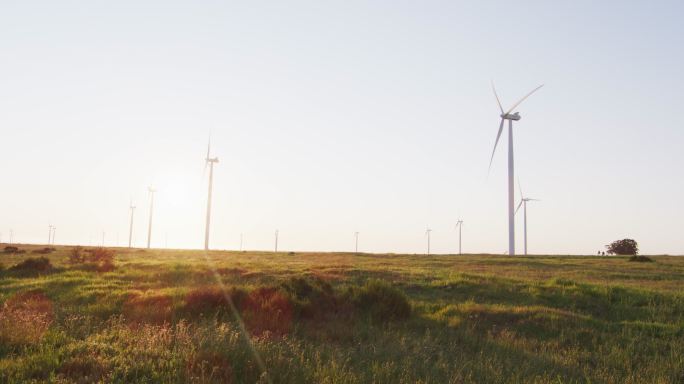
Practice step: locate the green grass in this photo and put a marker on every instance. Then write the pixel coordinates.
(474, 318)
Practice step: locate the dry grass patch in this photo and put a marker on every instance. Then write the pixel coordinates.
(25, 318)
(154, 309)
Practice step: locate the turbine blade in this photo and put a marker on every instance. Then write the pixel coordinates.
(516, 210)
(497, 97)
(523, 99)
(520, 188)
(208, 146)
(498, 135)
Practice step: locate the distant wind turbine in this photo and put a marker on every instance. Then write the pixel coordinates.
(459, 226)
(356, 242)
(241, 236)
(210, 161)
(54, 229)
(149, 226)
(49, 234)
(511, 183)
(130, 227)
(11, 236)
(427, 233)
(523, 203)
(276, 241)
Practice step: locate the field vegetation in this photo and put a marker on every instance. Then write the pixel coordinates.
(118, 315)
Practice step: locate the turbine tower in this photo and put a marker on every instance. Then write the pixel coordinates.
(49, 234)
(54, 230)
(210, 161)
(523, 203)
(130, 228)
(276, 241)
(356, 242)
(427, 233)
(459, 226)
(149, 226)
(511, 117)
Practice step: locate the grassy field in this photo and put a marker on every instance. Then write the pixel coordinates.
(247, 317)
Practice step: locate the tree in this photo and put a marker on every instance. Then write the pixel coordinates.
(623, 247)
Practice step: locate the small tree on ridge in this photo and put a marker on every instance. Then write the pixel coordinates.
(623, 247)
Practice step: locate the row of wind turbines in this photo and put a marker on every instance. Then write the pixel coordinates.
(508, 115)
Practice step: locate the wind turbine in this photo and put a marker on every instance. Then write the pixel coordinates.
(149, 226)
(241, 241)
(210, 161)
(427, 233)
(511, 117)
(523, 203)
(459, 226)
(49, 234)
(11, 236)
(276, 241)
(356, 242)
(130, 228)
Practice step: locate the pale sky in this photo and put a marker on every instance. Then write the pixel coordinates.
(335, 117)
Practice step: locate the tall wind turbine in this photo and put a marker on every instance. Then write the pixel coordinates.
(210, 161)
(459, 226)
(49, 234)
(511, 117)
(356, 242)
(427, 233)
(130, 228)
(149, 226)
(523, 203)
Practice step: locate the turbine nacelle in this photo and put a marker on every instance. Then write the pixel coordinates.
(510, 116)
(212, 160)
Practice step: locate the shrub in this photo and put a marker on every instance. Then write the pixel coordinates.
(40, 264)
(43, 251)
(641, 259)
(76, 256)
(102, 259)
(98, 259)
(623, 247)
(267, 310)
(312, 298)
(380, 301)
(11, 249)
(213, 300)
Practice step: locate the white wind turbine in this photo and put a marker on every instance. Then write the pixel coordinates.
(523, 203)
(130, 227)
(427, 233)
(149, 225)
(209, 161)
(459, 226)
(511, 117)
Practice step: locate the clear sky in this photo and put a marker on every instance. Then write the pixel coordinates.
(335, 117)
